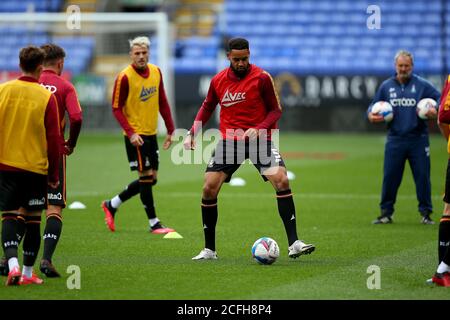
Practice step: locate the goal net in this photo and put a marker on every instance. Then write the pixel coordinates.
(97, 49)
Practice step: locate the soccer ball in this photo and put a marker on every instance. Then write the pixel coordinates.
(424, 105)
(383, 108)
(265, 250)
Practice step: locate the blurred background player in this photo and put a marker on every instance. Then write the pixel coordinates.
(250, 106)
(67, 99)
(407, 137)
(442, 275)
(137, 97)
(25, 171)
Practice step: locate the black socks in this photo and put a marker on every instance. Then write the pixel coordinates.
(209, 218)
(286, 209)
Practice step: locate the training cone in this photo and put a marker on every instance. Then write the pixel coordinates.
(173, 235)
(237, 182)
(77, 205)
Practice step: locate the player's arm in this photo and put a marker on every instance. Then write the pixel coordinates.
(75, 118)
(166, 114)
(374, 117)
(53, 137)
(444, 105)
(431, 92)
(272, 104)
(120, 94)
(203, 115)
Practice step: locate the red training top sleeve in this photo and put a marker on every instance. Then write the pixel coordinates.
(444, 107)
(206, 110)
(53, 136)
(271, 101)
(164, 107)
(75, 115)
(120, 95)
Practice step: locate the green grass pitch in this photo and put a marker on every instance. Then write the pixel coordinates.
(336, 192)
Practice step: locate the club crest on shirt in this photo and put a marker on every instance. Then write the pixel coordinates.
(229, 99)
(147, 93)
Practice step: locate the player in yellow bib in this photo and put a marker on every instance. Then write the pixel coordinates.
(138, 98)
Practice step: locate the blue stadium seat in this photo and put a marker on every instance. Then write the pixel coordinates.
(296, 34)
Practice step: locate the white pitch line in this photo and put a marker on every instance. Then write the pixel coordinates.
(344, 196)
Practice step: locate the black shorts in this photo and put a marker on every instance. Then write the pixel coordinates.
(144, 157)
(57, 196)
(229, 155)
(447, 184)
(22, 189)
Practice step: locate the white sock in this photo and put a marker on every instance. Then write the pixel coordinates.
(153, 221)
(443, 267)
(27, 271)
(12, 263)
(116, 202)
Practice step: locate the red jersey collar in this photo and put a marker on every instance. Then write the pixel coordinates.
(27, 78)
(49, 71)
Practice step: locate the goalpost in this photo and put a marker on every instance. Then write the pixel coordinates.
(109, 32)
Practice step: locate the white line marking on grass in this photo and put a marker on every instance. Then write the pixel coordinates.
(344, 196)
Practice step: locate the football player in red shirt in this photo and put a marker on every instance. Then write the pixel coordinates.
(250, 109)
(68, 103)
(442, 274)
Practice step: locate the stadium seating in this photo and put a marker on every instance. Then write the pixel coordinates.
(79, 49)
(326, 36)
(301, 36)
(33, 5)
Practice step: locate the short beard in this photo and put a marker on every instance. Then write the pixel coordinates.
(239, 73)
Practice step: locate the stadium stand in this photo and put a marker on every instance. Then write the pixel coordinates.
(301, 36)
(79, 49)
(325, 36)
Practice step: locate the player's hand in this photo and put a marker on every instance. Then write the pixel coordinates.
(53, 185)
(375, 117)
(189, 143)
(431, 113)
(136, 140)
(167, 142)
(251, 134)
(67, 150)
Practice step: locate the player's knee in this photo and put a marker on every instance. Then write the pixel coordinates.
(9, 215)
(53, 214)
(148, 179)
(446, 209)
(281, 183)
(53, 211)
(210, 191)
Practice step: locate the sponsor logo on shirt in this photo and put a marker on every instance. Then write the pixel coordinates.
(230, 99)
(146, 93)
(50, 88)
(403, 102)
